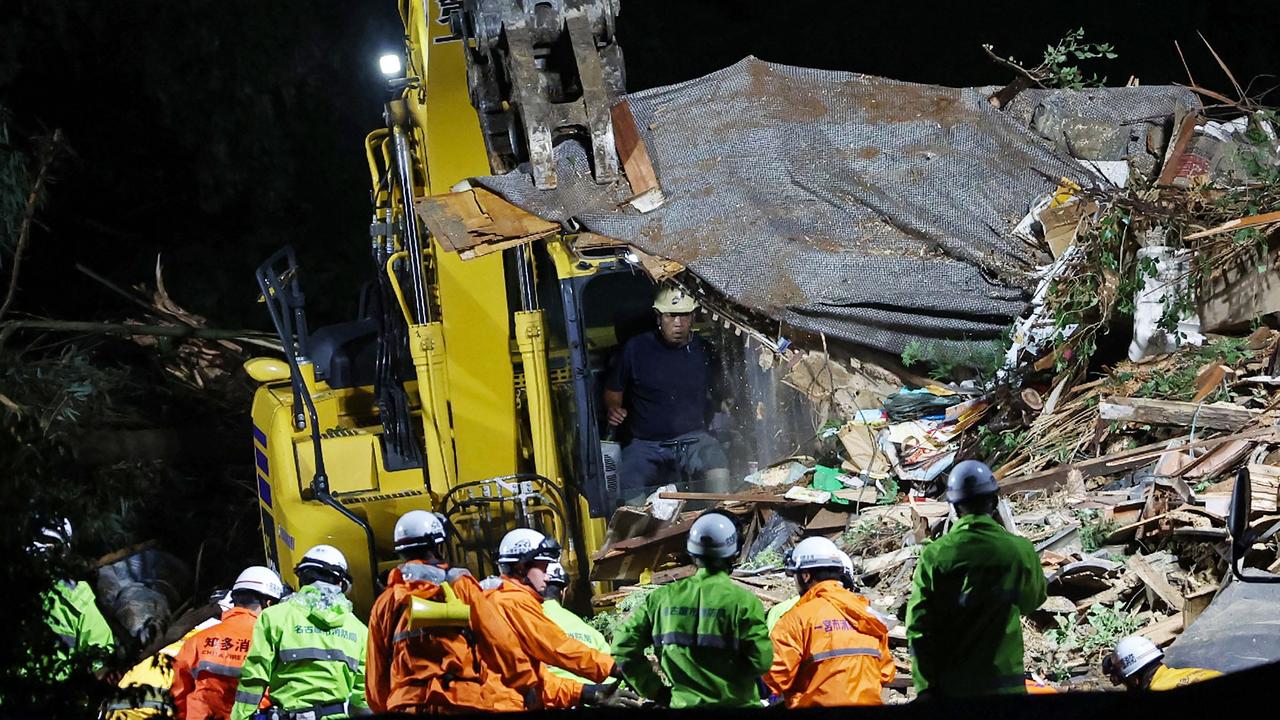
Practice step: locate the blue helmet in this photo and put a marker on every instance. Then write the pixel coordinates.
(970, 479)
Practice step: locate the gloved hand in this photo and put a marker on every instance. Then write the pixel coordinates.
(613, 695)
(663, 699)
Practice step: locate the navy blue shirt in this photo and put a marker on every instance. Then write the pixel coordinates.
(665, 388)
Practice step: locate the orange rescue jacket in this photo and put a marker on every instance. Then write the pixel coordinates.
(830, 650)
(476, 668)
(207, 668)
(545, 643)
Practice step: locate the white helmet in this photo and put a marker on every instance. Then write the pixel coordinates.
(814, 552)
(556, 574)
(328, 560)
(847, 562)
(713, 536)
(418, 528)
(527, 545)
(325, 555)
(54, 535)
(671, 299)
(1135, 653)
(262, 580)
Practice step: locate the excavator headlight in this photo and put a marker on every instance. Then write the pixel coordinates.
(390, 65)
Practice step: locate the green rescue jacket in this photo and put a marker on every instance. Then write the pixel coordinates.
(971, 585)
(710, 639)
(309, 650)
(576, 628)
(777, 611)
(73, 615)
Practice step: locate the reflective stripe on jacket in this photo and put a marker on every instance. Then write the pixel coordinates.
(970, 587)
(830, 650)
(544, 643)
(207, 669)
(710, 639)
(309, 650)
(446, 669)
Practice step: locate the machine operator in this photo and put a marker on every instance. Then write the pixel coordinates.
(661, 389)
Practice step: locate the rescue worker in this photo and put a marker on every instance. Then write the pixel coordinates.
(309, 649)
(523, 557)
(708, 633)
(1136, 664)
(970, 587)
(573, 626)
(71, 607)
(456, 663)
(661, 387)
(144, 689)
(777, 611)
(829, 650)
(207, 668)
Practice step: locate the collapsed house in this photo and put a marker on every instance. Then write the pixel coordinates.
(852, 224)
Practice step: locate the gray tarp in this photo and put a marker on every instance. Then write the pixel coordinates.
(874, 211)
(1239, 630)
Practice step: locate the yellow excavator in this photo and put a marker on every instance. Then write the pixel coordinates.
(467, 387)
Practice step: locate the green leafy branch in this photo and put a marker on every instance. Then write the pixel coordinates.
(1058, 68)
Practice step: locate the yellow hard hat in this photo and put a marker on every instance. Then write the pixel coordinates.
(674, 300)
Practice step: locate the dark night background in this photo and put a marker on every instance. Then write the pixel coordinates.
(214, 131)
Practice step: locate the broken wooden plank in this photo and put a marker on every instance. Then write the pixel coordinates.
(645, 191)
(1215, 416)
(477, 222)
(1237, 224)
(1122, 461)
(1264, 481)
(1208, 381)
(1173, 160)
(1157, 582)
(678, 528)
(1218, 460)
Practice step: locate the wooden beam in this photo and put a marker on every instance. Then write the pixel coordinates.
(731, 497)
(1217, 416)
(632, 152)
(1163, 632)
(1158, 583)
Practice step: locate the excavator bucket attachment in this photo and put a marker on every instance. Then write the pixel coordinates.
(541, 70)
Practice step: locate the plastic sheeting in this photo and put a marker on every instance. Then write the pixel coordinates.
(1238, 630)
(871, 210)
(141, 591)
